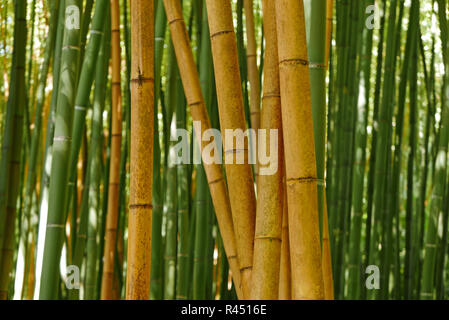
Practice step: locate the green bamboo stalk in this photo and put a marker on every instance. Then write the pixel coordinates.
(29, 212)
(156, 235)
(8, 132)
(436, 201)
(13, 155)
(316, 46)
(47, 158)
(199, 258)
(382, 143)
(354, 264)
(418, 243)
(182, 202)
(170, 205)
(60, 154)
(81, 104)
(372, 161)
(95, 153)
(406, 76)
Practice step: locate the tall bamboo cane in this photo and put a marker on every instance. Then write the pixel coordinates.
(304, 233)
(114, 171)
(230, 105)
(61, 149)
(17, 102)
(253, 72)
(268, 234)
(95, 172)
(195, 100)
(436, 202)
(141, 160)
(285, 274)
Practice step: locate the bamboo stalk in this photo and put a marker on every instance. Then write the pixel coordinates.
(253, 72)
(301, 178)
(141, 160)
(60, 156)
(14, 154)
(230, 105)
(195, 100)
(156, 235)
(268, 234)
(285, 278)
(436, 202)
(114, 171)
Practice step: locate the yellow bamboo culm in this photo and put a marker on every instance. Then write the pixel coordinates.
(141, 153)
(114, 170)
(285, 278)
(253, 73)
(231, 112)
(299, 148)
(267, 242)
(195, 100)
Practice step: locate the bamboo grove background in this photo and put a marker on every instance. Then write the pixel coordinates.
(80, 185)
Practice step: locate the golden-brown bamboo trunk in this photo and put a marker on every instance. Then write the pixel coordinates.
(195, 100)
(304, 233)
(114, 170)
(267, 242)
(141, 160)
(230, 107)
(253, 72)
(285, 278)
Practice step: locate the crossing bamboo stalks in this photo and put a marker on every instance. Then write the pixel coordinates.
(195, 100)
(301, 177)
(230, 106)
(268, 234)
(114, 172)
(141, 160)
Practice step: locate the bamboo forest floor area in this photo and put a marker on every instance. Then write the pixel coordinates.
(224, 149)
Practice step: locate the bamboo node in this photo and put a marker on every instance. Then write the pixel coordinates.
(268, 238)
(82, 108)
(220, 33)
(315, 65)
(53, 225)
(93, 31)
(62, 139)
(302, 180)
(141, 79)
(175, 20)
(71, 47)
(271, 96)
(294, 61)
(215, 181)
(141, 205)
